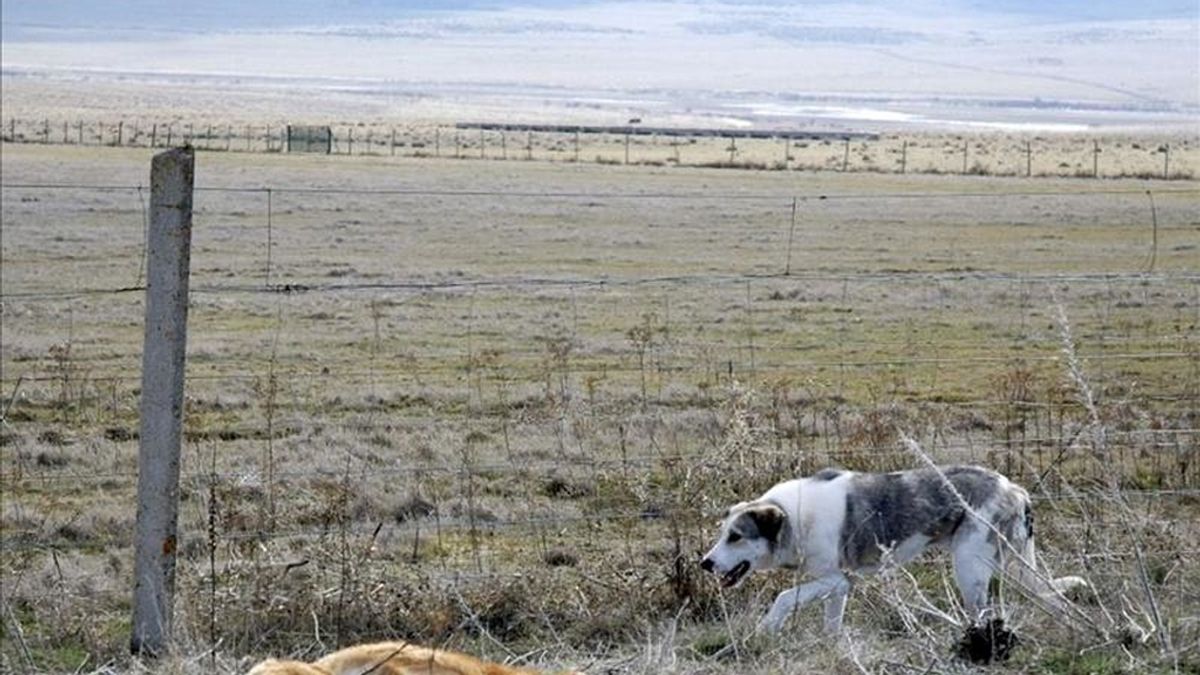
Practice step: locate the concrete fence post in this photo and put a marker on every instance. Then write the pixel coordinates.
(163, 357)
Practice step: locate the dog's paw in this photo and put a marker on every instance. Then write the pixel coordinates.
(987, 642)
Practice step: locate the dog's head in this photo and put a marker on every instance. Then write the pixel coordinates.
(750, 534)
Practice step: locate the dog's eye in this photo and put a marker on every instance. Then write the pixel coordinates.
(733, 538)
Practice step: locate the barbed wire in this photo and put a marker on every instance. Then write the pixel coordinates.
(585, 194)
(300, 287)
(307, 286)
(572, 463)
(433, 524)
(500, 374)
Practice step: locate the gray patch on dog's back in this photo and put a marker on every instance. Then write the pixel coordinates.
(886, 509)
(826, 474)
(976, 484)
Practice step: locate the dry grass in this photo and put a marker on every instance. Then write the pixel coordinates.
(529, 471)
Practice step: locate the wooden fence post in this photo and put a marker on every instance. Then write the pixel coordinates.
(163, 357)
(846, 156)
(787, 270)
(904, 158)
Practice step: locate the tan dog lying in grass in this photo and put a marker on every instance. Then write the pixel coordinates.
(389, 658)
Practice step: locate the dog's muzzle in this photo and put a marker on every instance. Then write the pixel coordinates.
(730, 578)
(733, 576)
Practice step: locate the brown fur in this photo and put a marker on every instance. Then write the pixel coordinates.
(276, 667)
(390, 658)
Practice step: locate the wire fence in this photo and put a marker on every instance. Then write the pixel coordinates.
(479, 381)
(1040, 156)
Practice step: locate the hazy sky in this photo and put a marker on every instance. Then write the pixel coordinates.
(26, 19)
(1116, 51)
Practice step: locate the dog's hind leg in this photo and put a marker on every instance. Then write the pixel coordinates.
(831, 586)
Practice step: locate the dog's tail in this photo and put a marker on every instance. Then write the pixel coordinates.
(1038, 581)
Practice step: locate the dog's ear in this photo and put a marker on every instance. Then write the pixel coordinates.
(733, 508)
(768, 519)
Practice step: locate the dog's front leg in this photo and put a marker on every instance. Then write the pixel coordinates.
(794, 598)
(835, 607)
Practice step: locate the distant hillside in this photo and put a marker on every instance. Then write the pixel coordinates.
(1011, 53)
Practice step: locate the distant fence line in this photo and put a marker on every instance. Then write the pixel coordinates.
(634, 144)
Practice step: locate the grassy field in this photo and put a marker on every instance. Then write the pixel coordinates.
(499, 405)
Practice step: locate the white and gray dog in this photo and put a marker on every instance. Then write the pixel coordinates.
(835, 522)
